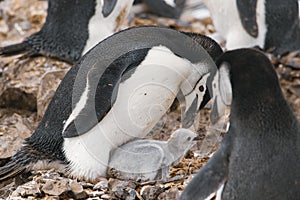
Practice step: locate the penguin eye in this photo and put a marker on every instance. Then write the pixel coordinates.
(201, 88)
(188, 138)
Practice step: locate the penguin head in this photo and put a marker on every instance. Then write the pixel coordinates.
(245, 78)
(196, 95)
(182, 140)
(196, 90)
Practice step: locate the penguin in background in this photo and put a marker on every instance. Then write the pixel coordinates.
(73, 27)
(164, 8)
(259, 157)
(117, 92)
(273, 25)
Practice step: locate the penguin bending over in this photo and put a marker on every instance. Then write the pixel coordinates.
(272, 25)
(72, 27)
(117, 92)
(263, 137)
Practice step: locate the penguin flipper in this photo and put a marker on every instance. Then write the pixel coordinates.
(247, 13)
(212, 176)
(14, 49)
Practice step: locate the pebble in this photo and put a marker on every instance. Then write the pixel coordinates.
(102, 185)
(106, 196)
(55, 188)
(151, 192)
(170, 194)
(28, 189)
(77, 190)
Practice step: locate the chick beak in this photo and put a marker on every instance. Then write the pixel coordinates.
(108, 7)
(199, 137)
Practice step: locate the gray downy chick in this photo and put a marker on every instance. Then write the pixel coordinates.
(148, 160)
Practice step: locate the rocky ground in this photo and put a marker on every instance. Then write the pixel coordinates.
(27, 85)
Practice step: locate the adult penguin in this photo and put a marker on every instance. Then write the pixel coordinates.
(272, 25)
(117, 92)
(259, 157)
(73, 27)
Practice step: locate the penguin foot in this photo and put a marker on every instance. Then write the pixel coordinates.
(14, 49)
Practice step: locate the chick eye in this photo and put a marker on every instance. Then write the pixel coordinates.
(201, 88)
(188, 138)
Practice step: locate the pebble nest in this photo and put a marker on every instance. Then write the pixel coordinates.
(28, 84)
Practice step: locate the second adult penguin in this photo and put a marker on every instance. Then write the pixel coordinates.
(259, 157)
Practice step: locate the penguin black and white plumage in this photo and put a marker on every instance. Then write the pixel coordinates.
(272, 25)
(115, 93)
(73, 27)
(259, 157)
(165, 8)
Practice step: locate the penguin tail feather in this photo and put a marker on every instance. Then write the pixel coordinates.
(14, 49)
(3, 161)
(10, 170)
(17, 164)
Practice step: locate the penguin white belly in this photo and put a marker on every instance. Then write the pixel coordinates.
(141, 101)
(219, 192)
(101, 27)
(224, 13)
(170, 3)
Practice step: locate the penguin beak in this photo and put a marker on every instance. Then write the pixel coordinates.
(108, 7)
(192, 111)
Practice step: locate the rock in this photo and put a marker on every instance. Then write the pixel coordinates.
(92, 193)
(86, 185)
(51, 198)
(94, 198)
(55, 188)
(151, 192)
(106, 196)
(102, 185)
(170, 194)
(121, 189)
(131, 194)
(28, 189)
(13, 97)
(116, 183)
(77, 190)
(14, 128)
(295, 89)
(48, 84)
(292, 60)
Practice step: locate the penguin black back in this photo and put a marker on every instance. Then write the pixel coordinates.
(283, 25)
(266, 132)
